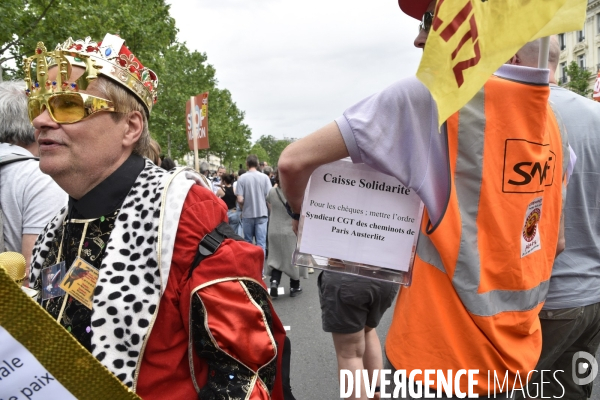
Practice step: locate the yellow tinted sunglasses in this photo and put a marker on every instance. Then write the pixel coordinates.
(68, 108)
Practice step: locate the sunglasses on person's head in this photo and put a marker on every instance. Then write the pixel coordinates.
(426, 21)
(68, 108)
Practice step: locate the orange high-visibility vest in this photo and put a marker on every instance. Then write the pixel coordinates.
(481, 275)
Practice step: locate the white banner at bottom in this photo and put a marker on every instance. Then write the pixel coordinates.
(22, 377)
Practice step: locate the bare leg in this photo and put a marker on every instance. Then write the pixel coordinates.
(373, 357)
(356, 351)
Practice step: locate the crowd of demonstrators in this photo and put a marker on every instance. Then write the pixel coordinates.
(28, 198)
(450, 318)
(570, 318)
(252, 190)
(227, 194)
(282, 242)
(147, 299)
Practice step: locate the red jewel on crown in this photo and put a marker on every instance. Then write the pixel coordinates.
(38, 51)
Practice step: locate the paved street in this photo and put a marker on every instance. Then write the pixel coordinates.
(314, 367)
(313, 356)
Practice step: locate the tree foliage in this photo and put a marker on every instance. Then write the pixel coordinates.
(150, 33)
(145, 24)
(229, 137)
(181, 74)
(184, 74)
(579, 79)
(260, 152)
(274, 147)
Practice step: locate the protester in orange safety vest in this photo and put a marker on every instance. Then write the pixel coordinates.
(485, 254)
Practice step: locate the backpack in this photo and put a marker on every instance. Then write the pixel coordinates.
(221, 237)
(5, 160)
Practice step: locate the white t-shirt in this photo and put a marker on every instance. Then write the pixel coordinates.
(28, 197)
(254, 187)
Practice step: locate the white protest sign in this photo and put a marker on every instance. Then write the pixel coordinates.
(353, 213)
(22, 377)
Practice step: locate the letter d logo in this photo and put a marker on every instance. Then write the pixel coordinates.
(580, 367)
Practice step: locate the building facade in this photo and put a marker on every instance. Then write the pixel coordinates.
(582, 46)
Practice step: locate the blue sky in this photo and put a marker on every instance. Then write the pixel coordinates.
(295, 66)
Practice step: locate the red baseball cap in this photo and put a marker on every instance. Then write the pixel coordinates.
(414, 8)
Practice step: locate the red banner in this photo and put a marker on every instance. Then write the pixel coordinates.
(197, 119)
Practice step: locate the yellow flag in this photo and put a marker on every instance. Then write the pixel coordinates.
(470, 39)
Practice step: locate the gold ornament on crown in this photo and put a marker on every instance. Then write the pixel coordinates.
(108, 60)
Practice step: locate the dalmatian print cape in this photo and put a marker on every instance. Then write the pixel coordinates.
(135, 269)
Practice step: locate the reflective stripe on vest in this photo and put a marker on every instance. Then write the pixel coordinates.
(466, 278)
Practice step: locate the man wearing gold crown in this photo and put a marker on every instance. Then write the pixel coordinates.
(132, 230)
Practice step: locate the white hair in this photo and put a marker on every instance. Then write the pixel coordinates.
(15, 127)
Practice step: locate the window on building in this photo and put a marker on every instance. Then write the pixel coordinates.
(581, 35)
(598, 24)
(561, 40)
(563, 72)
(581, 61)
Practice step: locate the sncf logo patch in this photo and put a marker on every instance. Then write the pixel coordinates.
(528, 166)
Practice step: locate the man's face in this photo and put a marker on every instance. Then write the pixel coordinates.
(421, 38)
(88, 147)
(220, 172)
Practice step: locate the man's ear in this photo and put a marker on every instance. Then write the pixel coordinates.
(134, 122)
(514, 60)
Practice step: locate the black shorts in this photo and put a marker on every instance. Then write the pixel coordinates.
(350, 302)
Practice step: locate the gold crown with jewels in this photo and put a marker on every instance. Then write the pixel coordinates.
(109, 58)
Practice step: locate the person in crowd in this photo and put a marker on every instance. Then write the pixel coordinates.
(225, 192)
(240, 172)
(268, 171)
(204, 171)
(570, 317)
(167, 164)
(252, 190)
(28, 198)
(153, 153)
(140, 227)
(216, 182)
(282, 242)
(474, 301)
